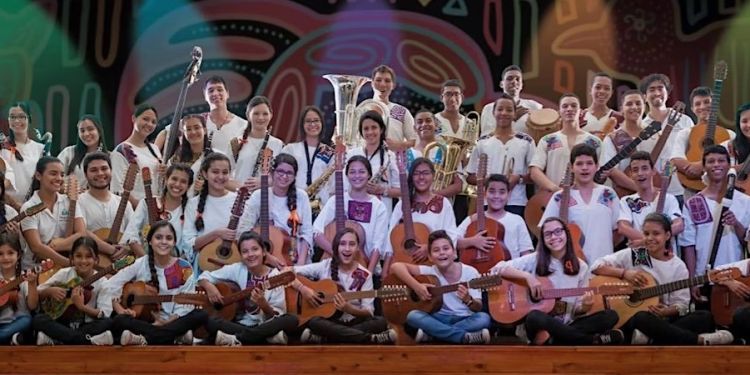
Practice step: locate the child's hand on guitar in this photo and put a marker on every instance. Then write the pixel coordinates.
(341, 304)
(420, 254)
(463, 292)
(660, 310)
(738, 288)
(636, 277)
(30, 276)
(535, 287)
(694, 170)
(120, 310)
(309, 296)
(258, 295)
(423, 292)
(226, 234)
(587, 301)
(76, 296)
(483, 243)
(275, 262)
(214, 295)
(728, 218)
(12, 227)
(56, 293)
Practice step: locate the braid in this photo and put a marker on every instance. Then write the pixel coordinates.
(201, 206)
(150, 253)
(335, 265)
(245, 135)
(335, 250)
(152, 268)
(2, 198)
(291, 198)
(12, 142)
(183, 205)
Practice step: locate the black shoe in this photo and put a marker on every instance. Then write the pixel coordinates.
(611, 337)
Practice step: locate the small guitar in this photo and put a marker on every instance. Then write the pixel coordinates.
(234, 297)
(144, 299)
(31, 211)
(222, 252)
(406, 235)
(8, 293)
(112, 235)
(643, 297)
(55, 309)
(511, 303)
(325, 290)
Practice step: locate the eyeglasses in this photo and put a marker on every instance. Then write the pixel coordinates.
(422, 173)
(285, 173)
(557, 232)
(18, 117)
(313, 121)
(452, 94)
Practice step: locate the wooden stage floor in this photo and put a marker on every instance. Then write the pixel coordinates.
(331, 359)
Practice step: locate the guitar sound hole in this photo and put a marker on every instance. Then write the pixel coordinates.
(218, 306)
(410, 244)
(224, 251)
(129, 301)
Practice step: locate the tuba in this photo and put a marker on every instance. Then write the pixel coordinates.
(345, 91)
(453, 151)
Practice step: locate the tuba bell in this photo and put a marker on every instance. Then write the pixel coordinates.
(453, 151)
(345, 91)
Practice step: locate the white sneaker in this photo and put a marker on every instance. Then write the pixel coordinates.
(278, 339)
(130, 338)
(225, 339)
(43, 340)
(639, 338)
(422, 337)
(386, 337)
(720, 337)
(186, 339)
(16, 339)
(479, 337)
(104, 338)
(307, 337)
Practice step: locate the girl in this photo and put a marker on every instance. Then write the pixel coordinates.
(739, 148)
(90, 139)
(670, 322)
(87, 325)
(171, 205)
(21, 151)
(356, 323)
(459, 319)
(247, 148)
(165, 273)
(264, 318)
(426, 124)
(15, 316)
(40, 230)
(556, 260)
(194, 147)
(382, 161)
(312, 154)
(360, 206)
(6, 211)
(288, 206)
(432, 210)
(144, 122)
(207, 214)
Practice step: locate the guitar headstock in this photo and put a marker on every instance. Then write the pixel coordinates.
(668, 169)
(340, 152)
(44, 266)
(393, 292)
(239, 203)
(485, 282)
(123, 262)
(72, 188)
(720, 71)
(676, 113)
(35, 209)
(567, 180)
(401, 161)
(717, 276)
(283, 278)
(650, 130)
(482, 169)
(191, 75)
(265, 162)
(146, 174)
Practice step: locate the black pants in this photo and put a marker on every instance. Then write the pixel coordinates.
(161, 335)
(682, 330)
(357, 331)
(253, 335)
(579, 332)
(59, 331)
(741, 324)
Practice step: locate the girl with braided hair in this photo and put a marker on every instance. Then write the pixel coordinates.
(255, 138)
(21, 151)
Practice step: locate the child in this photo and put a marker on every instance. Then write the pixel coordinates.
(87, 324)
(264, 318)
(15, 316)
(460, 320)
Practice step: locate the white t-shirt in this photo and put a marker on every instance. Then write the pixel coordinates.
(279, 212)
(594, 125)
(216, 214)
(221, 138)
(616, 141)
(634, 209)
(520, 149)
(145, 158)
(444, 126)
(388, 178)
(452, 305)
(488, 116)
(517, 238)
(552, 153)
(249, 154)
(358, 280)
(675, 187)
(320, 162)
(597, 219)
(100, 214)
(445, 219)
(700, 214)
(23, 170)
(49, 224)
(400, 122)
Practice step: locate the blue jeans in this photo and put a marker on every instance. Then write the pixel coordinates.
(448, 328)
(20, 324)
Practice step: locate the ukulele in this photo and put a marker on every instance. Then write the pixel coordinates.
(511, 303)
(55, 309)
(233, 296)
(406, 235)
(112, 235)
(576, 234)
(340, 222)
(480, 259)
(281, 242)
(221, 252)
(8, 292)
(644, 297)
(31, 211)
(704, 135)
(325, 290)
(144, 299)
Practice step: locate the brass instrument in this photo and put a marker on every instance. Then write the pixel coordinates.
(345, 91)
(454, 151)
(314, 188)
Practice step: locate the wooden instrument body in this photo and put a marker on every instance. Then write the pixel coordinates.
(395, 312)
(399, 238)
(55, 309)
(625, 306)
(281, 243)
(743, 184)
(482, 260)
(694, 152)
(330, 233)
(535, 210)
(103, 234)
(512, 301)
(724, 303)
(8, 298)
(296, 304)
(217, 254)
(228, 311)
(135, 288)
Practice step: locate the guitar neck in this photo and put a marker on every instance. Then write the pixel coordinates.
(624, 153)
(658, 290)
(96, 276)
(406, 208)
(661, 142)
(10, 286)
(565, 292)
(70, 221)
(174, 132)
(161, 298)
(713, 117)
(359, 294)
(16, 219)
(153, 210)
(265, 232)
(340, 214)
(117, 222)
(564, 203)
(661, 201)
(481, 218)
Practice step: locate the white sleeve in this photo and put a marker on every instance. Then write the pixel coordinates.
(620, 259)
(324, 218)
(380, 235)
(112, 288)
(189, 232)
(251, 213)
(526, 263)
(137, 221)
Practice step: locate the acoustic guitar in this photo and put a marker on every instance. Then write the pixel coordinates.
(407, 235)
(724, 303)
(55, 309)
(222, 252)
(510, 303)
(480, 259)
(704, 135)
(8, 292)
(576, 234)
(282, 246)
(31, 211)
(234, 297)
(340, 222)
(648, 295)
(112, 235)
(325, 290)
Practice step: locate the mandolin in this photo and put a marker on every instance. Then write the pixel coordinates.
(222, 252)
(406, 236)
(55, 309)
(31, 211)
(480, 259)
(233, 296)
(704, 135)
(648, 295)
(8, 292)
(511, 303)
